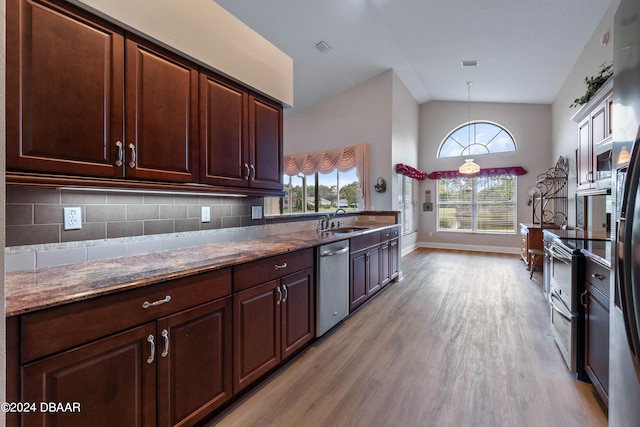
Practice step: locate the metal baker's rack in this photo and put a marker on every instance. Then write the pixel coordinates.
(548, 198)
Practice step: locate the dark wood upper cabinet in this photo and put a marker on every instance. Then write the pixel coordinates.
(87, 99)
(161, 115)
(223, 132)
(265, 152)
(240, 134)
(65, 90)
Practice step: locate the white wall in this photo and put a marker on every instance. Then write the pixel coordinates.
(361, 115)
(530, 125)
(208, 34)
(565, 131)
(405, 130)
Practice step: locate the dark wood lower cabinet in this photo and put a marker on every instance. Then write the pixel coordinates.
(109, 379)
(173, 369)
(271, 322)
(256, 332)
(373, 265)
(194, 363)
(596, 302)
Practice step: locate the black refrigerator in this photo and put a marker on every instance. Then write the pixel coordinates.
(624, 332)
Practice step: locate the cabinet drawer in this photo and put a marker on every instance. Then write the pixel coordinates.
(598, 275)
(49, 331)
(253, 273)
(389, 234)
(365, 241)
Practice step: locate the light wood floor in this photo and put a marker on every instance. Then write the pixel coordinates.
(463, 340)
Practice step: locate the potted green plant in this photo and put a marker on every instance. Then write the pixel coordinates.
(594, 83)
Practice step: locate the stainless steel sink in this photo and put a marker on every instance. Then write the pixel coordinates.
(346, 229)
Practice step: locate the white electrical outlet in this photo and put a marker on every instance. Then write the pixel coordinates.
(72, 218)
(206, 214)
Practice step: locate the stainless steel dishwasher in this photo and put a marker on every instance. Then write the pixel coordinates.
(332, 290)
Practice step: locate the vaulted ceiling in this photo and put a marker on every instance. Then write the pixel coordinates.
(525, 48)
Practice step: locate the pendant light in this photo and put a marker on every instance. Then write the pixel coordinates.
(469, 167)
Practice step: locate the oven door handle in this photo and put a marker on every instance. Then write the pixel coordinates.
(558, 309)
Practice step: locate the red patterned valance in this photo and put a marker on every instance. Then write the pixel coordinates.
(512, 170)
(410, 172)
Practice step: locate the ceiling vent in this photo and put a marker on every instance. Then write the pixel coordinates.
(472, 63)
(323, 46)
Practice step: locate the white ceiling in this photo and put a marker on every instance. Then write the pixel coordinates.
(526, 48)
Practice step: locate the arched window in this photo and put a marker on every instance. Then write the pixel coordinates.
(478, 137)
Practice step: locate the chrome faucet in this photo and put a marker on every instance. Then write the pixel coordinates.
(336, 212)
(323, 224)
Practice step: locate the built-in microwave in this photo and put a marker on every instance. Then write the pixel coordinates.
(603, 164)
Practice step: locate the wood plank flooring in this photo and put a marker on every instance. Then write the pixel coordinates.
(463, 340)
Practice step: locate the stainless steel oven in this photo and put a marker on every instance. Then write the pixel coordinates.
(566, 279)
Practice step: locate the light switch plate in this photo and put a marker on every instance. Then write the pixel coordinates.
(206, 214)
(72, 218)
(256, 212)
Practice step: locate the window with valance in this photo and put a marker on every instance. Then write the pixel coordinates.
(304, 171)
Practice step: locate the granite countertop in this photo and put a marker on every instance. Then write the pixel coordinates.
(33, 290)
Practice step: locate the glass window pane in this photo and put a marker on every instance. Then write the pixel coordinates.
(481, 204)
(476, 138)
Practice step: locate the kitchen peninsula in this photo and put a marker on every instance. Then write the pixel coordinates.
(168, 324)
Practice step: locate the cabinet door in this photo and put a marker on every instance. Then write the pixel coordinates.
(597, 340)
(585, 161)
(223, 132)
(394, 256)
(194, 363)
(385, 263)
(161, 115)
(374, 280)
(265, 144)
(113, 380)
(298, 320)
(65, 91)
(256, 332)
(358, 280)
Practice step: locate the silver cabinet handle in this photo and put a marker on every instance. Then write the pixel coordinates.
(281, 266)
(120, 153)
(165, 335)
(246, 176)
(253, 173)
(148, 304)
(279, 296)
(132, 163)
(338, 252)
(597, 276)
(286, 293)
(153, 349)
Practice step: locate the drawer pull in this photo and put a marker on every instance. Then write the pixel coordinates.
(148, 304)
(132, 163)
(165, 335)
(120, 153)
(153, 349)
(597, 276)
(283, 265)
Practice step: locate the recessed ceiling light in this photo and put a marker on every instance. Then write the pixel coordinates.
(470, 63)
(323, 46)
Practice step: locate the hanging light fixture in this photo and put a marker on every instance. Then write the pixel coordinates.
(469, 167)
